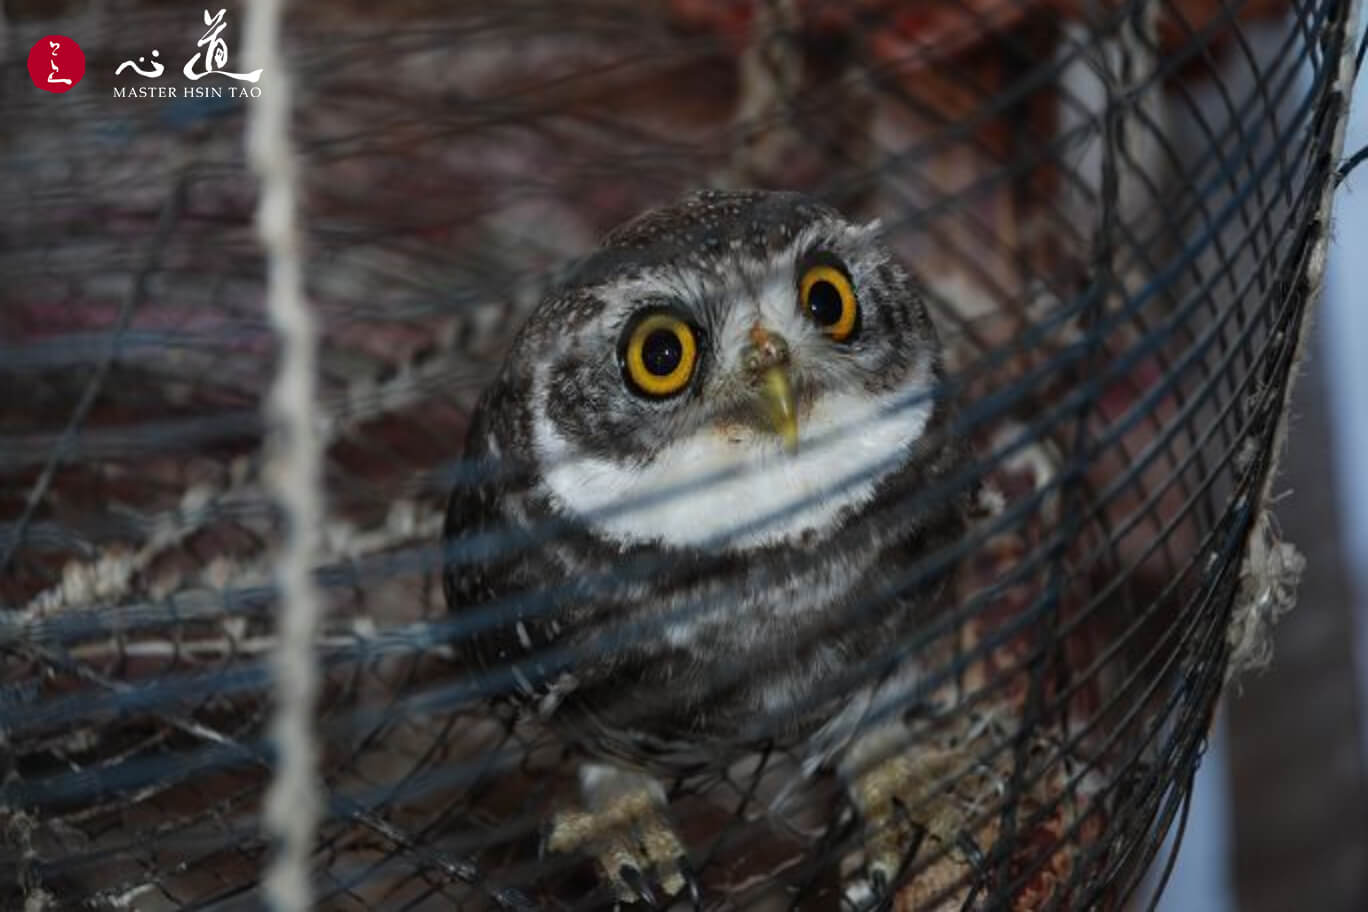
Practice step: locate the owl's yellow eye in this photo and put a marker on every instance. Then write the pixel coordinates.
(829, 300)
(659, 354)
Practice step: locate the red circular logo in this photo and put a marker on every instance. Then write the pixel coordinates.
(56, 63)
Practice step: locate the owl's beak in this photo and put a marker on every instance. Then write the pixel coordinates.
(766, 359)
(776, 401)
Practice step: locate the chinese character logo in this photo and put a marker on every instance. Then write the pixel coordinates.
(56, 64)
(208, 62)
(216, 54)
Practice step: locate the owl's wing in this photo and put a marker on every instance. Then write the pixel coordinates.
(474, 570)
(489, 572)
(470, 514)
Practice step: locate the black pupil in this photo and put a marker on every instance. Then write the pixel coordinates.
(661, 352)
(824, 303)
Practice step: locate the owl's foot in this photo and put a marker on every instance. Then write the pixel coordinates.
(904, 802)
(626, 827)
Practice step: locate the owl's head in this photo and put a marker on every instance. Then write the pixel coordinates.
(735, 370)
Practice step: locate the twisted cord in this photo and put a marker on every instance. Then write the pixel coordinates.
(293, 459)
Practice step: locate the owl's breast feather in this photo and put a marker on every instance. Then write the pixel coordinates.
(730, 488)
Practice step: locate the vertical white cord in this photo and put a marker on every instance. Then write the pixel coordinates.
(294, 455)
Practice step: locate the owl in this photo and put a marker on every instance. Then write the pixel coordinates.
(715, 484)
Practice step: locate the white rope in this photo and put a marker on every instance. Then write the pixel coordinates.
(292, 469)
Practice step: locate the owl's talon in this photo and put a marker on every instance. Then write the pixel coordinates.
(634, 880)
(966, 844)
(628, 832)
(902, 800)
(866, 892)
(691, 884)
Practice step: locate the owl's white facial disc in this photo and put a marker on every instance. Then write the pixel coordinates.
(847, 442)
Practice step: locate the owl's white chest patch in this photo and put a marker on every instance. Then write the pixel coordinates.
(735, 487)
